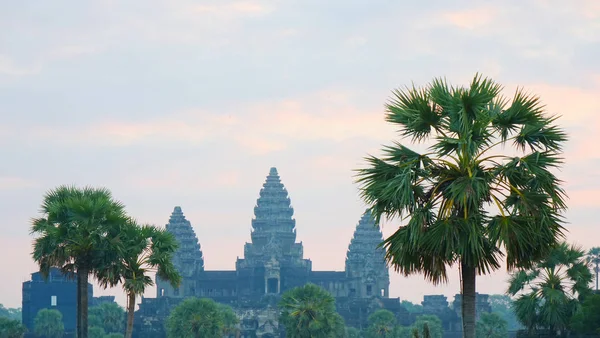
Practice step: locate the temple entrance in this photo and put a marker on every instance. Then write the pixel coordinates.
(273, 285)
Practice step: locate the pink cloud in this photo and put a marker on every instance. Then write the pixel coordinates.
(262, 128)
(223, 8)
(471, 19)
(16, 183)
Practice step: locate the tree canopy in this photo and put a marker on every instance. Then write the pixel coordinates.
(11, 313)
(10, 328)
(144, 249)
(49, 323)
(433, 324)
(198, 318)
(587, 320)
(108, 316)
(549, 292)
(78, 232)
(381, 324)
(309, 311)
(593, 256)
(492, 325)
(466, 201)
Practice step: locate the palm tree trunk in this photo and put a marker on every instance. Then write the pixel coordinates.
(82, 303)
(130, 313)
(468, 300)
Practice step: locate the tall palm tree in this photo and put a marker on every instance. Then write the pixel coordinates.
(594, 260)
(145, 249)
(550, 291)
(448, 195)
(78, 233)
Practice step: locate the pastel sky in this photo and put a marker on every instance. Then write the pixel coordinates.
(191, 102)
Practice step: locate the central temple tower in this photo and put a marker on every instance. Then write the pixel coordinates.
(273, 260)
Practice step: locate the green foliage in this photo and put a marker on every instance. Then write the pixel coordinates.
(593, 258)
(352, 332)
(230, 321)
(10, 328)
(199, 318)
(10, 313)
(429, 326)
(108, 316)
(426, 332)
(492, 325)
(448, 195)
(114, 335)
(411, 307)
(309, 311)
(381, 324)
(78, 232)
(503, 306)
(96, 331)
(143, 250)
(48, 323)
(402, 332)
(550, 291)
(587, 321)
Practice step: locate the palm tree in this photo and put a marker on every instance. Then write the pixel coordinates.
(594, 260)
(550, 291)
(196, 318)
(448, 194)
(230, 321)
(78, 233)
(429, 326)
(381, 323)
(309, 311)
(145, 249)
(492, 325)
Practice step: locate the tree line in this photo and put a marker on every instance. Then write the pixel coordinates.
(87, 233)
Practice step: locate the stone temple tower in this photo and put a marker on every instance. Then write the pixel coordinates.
(187, 259)
(273, 251)
(366, 269)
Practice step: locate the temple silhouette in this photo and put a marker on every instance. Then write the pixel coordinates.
(273, 263)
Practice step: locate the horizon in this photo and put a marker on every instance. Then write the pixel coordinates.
(174, 103)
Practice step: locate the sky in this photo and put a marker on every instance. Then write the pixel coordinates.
(191, 102)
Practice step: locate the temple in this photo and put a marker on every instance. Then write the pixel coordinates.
(273, 263)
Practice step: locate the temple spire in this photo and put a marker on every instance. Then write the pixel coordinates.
(273, 228)
(187, 259)
(273, 210)
(365, 260)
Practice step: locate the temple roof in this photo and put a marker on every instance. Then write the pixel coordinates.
(273, 208)
(366, 239)
(189, 250)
